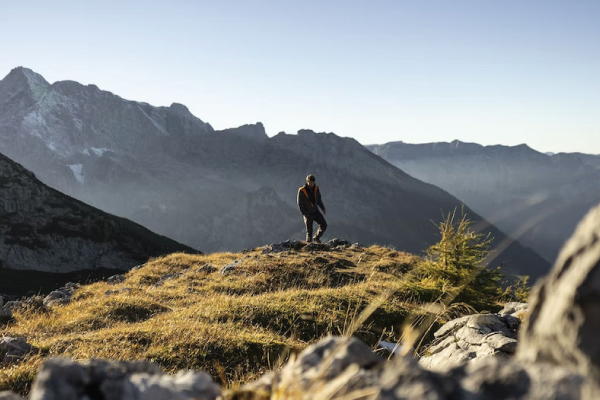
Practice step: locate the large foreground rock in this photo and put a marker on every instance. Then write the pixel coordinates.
(472, 339)
(338, 368)
(5, 314)
(564, 323)
(334, 365)
(69, 380)
(13, 349)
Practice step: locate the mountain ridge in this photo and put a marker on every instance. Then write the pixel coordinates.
(512, 186)
(44, 230)
(221, 190)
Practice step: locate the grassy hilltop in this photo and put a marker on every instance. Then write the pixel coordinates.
(180, 313)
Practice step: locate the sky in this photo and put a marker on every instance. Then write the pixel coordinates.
(485, 71)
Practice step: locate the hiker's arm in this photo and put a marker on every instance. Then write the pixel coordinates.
(300, 202)
(320, 202)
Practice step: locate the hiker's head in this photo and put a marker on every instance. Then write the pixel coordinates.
(310, 180)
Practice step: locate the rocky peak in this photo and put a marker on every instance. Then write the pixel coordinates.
(179, 109)
(181, 122)
(21, 88)
(306, 132)
(27, 76)
(254, 131)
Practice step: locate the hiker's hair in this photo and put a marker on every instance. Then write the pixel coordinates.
(310, 177)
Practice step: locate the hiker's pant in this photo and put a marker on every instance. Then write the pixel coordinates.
(320, 220)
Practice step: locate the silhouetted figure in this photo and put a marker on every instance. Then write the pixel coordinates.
(309, 201)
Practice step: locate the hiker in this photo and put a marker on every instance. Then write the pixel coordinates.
(309, 201)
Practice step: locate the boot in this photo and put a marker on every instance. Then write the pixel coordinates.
(317, 238)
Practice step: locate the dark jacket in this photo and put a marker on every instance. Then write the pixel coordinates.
(308, 200)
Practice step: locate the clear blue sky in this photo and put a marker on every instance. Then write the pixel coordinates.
(485, 71)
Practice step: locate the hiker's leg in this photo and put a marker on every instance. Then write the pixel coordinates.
(320, 220)
(308, 221)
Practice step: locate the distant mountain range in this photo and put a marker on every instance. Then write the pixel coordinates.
(215, 190)
(42, 229)
(517, 188)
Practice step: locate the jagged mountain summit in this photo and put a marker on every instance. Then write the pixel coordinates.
(42, 229)
(215, 190)
(518, 189)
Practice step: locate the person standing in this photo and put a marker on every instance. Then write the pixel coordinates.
(309, 201)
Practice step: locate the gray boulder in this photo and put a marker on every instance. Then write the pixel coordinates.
(515, 309)
(336, 366)
(69, 380)
(13, 349)
(5, 314)
(498, 379)
(115, 279)
(164, 278)
(14, 305)
(207, 268)
(338, 244)
(283, 246)
(61, 296)
(232, 266)
(57, 297)
(564, 320)
(471, 339)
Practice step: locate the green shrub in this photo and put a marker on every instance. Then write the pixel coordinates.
(454, 268)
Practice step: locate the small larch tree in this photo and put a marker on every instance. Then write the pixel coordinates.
(455, 268)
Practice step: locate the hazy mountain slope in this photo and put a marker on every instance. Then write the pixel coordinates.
(216, 190)
(514, 187)
(42, 229)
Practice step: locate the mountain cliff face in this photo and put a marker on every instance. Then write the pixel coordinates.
(44, 230)
(516, 188)
(214, 190)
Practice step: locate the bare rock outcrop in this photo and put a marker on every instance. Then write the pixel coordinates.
(339, 368)
(13, 349)
(61, 296)
(5, 314)
(290, 245)
(334, 365)
(69, 380)
(564, 320)
(472, 339)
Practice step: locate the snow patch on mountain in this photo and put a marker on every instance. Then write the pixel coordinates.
(99, 151)
(78, 172)
(34, 118)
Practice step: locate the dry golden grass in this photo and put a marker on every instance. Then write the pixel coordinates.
(236, 326)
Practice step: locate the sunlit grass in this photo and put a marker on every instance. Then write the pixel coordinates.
(235, 326)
